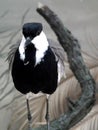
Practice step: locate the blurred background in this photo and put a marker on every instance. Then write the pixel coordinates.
(81, 18)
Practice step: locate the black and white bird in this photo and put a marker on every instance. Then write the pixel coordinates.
(35, 67)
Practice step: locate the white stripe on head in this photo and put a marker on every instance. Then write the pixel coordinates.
(22, 48)
(41, 44)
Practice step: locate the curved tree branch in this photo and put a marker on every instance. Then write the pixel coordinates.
(83, 105)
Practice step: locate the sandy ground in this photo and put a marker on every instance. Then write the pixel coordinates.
(80, 16)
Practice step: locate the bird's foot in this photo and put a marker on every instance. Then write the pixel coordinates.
(47, 120)
(30, 128)
(29, 123)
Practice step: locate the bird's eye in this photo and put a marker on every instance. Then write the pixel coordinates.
(38, 32)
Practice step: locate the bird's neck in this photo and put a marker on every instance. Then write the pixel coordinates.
(40, 43)
(22, 49)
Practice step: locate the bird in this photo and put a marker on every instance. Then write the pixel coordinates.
(35, 66)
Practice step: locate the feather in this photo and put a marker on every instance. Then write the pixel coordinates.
(11, 54)
(58, 102)
(57, 49)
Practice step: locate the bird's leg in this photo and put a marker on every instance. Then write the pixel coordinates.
(47, 112)
(28, 112)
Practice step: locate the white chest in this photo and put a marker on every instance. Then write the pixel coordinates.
(41, 44)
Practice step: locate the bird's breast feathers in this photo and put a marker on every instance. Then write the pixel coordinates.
(41, 44)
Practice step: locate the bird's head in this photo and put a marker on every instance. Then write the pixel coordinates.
(30, 31)
(33, 35)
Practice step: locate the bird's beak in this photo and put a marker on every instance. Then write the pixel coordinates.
(28, 41)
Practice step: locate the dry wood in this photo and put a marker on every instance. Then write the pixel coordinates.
(78, 109)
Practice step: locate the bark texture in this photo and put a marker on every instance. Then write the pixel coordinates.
(79, 108)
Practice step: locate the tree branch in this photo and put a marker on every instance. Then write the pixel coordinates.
(78, 109)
